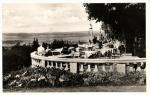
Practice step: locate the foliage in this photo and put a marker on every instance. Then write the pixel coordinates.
(94, 40)
(16, 58)
(115, 78)
(127, 21)
(61, 43)
(41, 77)
(52, 77)
(35, 44)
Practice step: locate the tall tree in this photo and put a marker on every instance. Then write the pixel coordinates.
(35, 44)
(126, 19)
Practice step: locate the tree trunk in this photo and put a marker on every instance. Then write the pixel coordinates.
(130, 45)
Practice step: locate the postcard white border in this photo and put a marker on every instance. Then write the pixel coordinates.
(84, 1)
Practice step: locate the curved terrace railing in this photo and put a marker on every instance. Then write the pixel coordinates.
(122, 64)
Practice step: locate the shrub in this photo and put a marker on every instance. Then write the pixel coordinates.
(52, 77)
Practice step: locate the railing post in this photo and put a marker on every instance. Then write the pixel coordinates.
(38, 62)
(48, 64)
(52, 65)
(61, 66)
(56, 65)
(66, 68)
(138, 67)
(73, 67)
(89, 68)
(33, 63)
(103, 67)
(131, 68)
(111, 68)
(121, 68)
(107, 67)
(42, 64)
(115, 67)
(96, 68)
(126, 68)
(81, 68)
(144, 68)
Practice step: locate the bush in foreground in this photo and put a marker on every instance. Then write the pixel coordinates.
(52, 77)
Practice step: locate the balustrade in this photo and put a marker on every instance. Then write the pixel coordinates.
(106, 65)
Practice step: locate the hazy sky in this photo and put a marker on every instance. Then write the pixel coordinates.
(38, 18)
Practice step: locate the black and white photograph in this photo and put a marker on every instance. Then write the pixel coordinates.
(74, 47)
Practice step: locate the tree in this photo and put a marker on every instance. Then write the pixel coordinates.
(94, 39)
(35, 44)
(44, 45)
(16, 57)
(127, 21)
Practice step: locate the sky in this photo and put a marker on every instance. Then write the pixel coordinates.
(40, 18)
